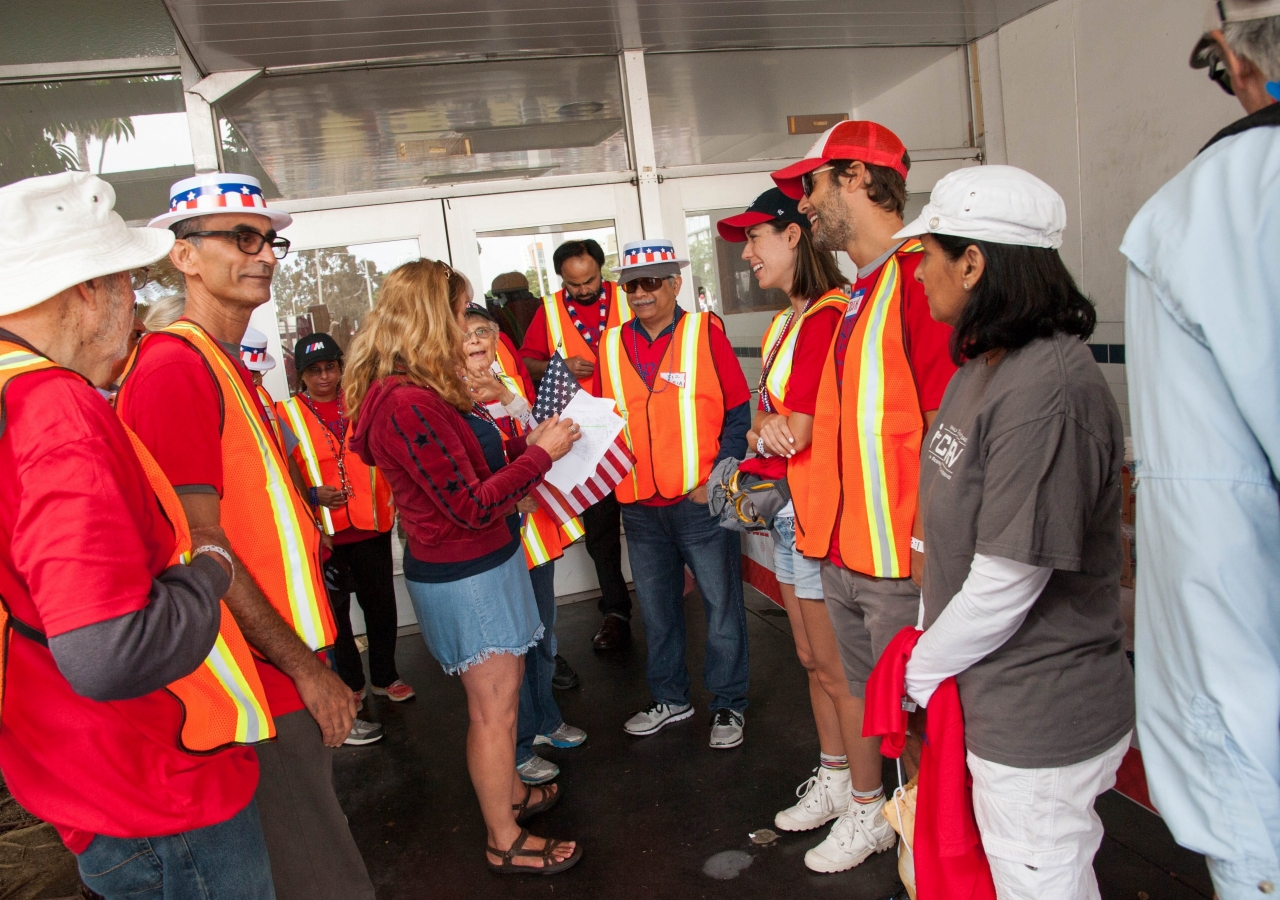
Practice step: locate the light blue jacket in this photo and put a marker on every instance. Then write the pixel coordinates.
(1202, 328)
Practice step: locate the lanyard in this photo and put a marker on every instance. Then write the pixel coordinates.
(587, 336)
(340, 450)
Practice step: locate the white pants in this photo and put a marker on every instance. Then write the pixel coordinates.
(1038, 825)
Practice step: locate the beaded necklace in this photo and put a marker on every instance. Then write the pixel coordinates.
(635, 356)
(587, 336)
(773, 355)
(339, 450)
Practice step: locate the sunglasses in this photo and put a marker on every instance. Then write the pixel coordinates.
(806, 180)
(648, 285)
(249, 242)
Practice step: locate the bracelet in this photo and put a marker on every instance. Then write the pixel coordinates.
(917, 545)
(760, 451)
(214, 548)
(313, 495)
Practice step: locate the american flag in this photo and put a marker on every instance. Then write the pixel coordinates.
(558, 387)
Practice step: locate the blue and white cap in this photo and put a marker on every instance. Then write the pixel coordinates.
(218, 192)
(654, 257)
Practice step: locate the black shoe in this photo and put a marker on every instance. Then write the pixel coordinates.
(613, 633)
(565, 678)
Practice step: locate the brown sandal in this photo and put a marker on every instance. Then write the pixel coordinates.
(524, 812)
(546, 854)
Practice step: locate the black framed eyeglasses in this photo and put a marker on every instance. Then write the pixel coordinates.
(648, 285)
(806, 180)
(249, 242)
(139, 277)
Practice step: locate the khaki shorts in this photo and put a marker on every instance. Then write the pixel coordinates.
(865, 614)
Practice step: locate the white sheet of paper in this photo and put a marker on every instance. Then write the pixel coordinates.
(600, 425)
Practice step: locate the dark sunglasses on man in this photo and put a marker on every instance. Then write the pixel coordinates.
(648, 285)
(249, 242)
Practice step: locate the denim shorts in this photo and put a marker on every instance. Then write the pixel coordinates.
(465, 622)
(790, 566)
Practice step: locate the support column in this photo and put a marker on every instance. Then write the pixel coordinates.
(200, 120)
(640, 137)
(985, 60)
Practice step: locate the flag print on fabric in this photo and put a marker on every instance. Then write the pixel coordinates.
(558, 387)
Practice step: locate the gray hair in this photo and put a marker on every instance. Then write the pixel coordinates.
(164, 312)
(1257, 40)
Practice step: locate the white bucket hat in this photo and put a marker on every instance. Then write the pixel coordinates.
(59, 230)
(1000, 204)
(218, 192)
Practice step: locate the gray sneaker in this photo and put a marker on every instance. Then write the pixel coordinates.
(564, 737)
(536, 770)
(726, 729)
(363, 732)
(653, 717)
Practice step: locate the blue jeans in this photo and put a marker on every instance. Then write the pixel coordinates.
(539, 712)
(227, 861)
(661, 541)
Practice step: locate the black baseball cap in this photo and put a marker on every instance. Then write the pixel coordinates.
(772, 204)
(475, 309)
(313, 348)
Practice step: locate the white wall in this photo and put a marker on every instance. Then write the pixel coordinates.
(1096, 98)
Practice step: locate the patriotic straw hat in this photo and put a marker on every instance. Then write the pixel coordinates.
(253, 351)
(653, 257)
(218, 192)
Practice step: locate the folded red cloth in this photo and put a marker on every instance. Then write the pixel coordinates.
(949, 859)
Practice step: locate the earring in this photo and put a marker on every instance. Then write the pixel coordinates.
(966, 285)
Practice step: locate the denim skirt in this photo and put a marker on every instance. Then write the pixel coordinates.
(465, 622)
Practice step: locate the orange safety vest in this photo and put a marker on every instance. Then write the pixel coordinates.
(270, 528)
(684, 412)
(562, 334)
(543, 540)
(874, 442)
(223, 700)
(776, 380)
(369, 507)
(270, 406)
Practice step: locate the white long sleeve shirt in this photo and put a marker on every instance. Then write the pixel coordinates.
(989, 608)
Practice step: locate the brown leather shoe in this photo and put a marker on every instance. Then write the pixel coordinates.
(613, 633)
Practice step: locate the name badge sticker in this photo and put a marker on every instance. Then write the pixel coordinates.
(676, 378)
(855, 302)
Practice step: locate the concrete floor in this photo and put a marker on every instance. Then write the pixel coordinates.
(651, 812)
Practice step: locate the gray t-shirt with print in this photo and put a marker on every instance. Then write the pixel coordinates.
(1023, 462)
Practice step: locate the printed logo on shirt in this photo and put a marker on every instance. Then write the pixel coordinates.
(676, 378)
(945, 448)
(855, 302)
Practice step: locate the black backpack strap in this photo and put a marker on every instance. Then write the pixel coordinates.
(27, 631)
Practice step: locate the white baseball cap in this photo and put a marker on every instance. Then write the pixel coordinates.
(1000, 204)
(59, 230)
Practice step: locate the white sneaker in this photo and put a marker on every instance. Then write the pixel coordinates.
(362, 733)
(654, 716)
(825, 796)
(861, 831)
(536, 770)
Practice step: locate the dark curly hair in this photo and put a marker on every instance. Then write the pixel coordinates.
(1024, 293)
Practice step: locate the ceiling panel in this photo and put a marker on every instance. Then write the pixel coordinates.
(331, 133)
(237, 34)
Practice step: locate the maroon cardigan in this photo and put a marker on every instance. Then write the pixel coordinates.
(452, 507)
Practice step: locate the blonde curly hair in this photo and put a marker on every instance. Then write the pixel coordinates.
(413, 332)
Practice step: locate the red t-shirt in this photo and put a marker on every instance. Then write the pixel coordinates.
(536, 345)
(808, 358)
(650, 361)
(928, 346)
(171, 375)
(81, 537)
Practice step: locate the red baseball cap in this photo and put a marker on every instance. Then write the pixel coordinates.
(865, 142)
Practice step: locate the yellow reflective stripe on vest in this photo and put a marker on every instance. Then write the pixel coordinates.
(870, 421)
(535, 549)
(687, 362)
(302, 603)
(780, 373)
(253, 723)
(615, 356)
(293, 411)
(551, 310)
(572, 530)
(20, 359)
